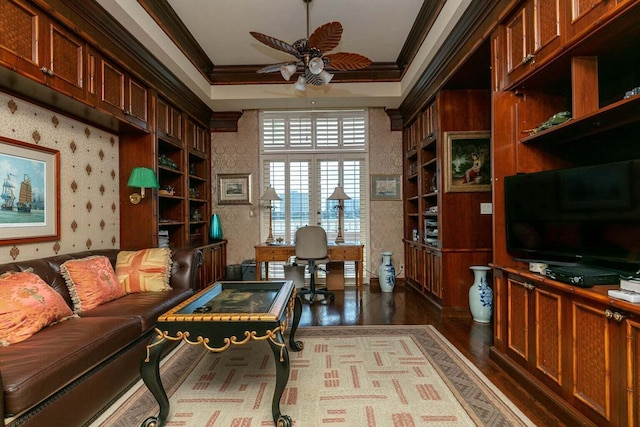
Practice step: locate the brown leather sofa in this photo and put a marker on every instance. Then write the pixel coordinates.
(67, 372)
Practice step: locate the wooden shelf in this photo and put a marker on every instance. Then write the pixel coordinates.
(612, 117)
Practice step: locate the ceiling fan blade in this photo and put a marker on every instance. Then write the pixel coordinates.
(312, 79)
(326, 37)
(274, 68)
(345, 61)
(275, 43)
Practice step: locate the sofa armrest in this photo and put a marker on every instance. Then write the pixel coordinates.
(184, 269)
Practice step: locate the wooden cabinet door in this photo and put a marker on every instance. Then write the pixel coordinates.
(518, 43)
(631, 414)
(519, 319)
(65, 61)
(169, 120)
(583, 14)
(434, 263)
(549, 338)
(122, 95)
(548, 29)
(136, 102)
(592, 384)
(533, 35)
(33, 45)
(20, 38)
(112, 87)
(195, 137)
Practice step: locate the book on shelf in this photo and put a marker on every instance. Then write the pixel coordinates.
(163, 238)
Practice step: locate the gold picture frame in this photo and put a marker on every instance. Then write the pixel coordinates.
(386, 187)
(30, 203)
(467, 162)
(234, 189)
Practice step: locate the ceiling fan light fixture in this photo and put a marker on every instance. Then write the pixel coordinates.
(311, 54)
(316, 65)
(325, 76)
(300, 84)
(288, 70)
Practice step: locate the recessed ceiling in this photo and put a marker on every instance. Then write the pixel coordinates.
(378, 29)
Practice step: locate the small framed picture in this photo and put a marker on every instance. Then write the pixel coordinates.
(385, 187)
(467, 161)
(234, 189)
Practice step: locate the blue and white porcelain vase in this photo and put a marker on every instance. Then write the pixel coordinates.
(386, 273)
(480, 295)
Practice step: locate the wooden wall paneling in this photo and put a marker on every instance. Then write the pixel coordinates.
(456, 278)
(584, 80)
(139, 223)
(462, 226)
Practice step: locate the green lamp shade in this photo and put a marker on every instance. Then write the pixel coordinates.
(215, 229)
(143, 178)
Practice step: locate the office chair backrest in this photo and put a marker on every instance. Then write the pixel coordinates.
(311, 242)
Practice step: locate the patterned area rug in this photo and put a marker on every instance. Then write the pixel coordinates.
(345, 376)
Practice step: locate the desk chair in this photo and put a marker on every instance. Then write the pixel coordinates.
(311, 250)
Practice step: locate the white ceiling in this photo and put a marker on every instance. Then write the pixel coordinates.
(374, 28)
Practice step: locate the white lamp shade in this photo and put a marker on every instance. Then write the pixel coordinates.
(270, 194)
(288, 70)
(300, 83)
(316, 65)
(326, 76)
(339, 194)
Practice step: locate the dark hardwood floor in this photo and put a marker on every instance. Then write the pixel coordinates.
(406, 307)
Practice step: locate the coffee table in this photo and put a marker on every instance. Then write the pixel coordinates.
(221, 316)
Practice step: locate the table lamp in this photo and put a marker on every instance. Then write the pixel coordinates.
(339, 195)
(143, 178)
(270, 195)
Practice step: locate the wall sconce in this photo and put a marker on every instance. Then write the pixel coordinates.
(143, 178)
(270, 195)
(339, 195)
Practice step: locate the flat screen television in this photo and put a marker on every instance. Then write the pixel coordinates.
(586, 214)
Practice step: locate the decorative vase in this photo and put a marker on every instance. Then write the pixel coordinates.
(480, 295)
(386, 273)
(215, 229)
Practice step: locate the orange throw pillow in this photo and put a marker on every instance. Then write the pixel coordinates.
(27, 304)
(144, 271)
(91, 282)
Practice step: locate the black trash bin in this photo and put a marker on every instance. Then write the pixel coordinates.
(233, 272)
(248, 270)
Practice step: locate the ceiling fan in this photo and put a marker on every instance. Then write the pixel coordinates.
(311, 54)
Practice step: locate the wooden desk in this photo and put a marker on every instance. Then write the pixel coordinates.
(282, 253)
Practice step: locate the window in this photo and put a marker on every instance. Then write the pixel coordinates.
(305, 155)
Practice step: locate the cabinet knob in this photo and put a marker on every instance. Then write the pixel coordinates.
(618, 317)
(528, 58)
(529, 286)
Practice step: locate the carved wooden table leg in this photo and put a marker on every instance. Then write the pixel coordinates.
(297, 313)
(281, 356)
(150, 373)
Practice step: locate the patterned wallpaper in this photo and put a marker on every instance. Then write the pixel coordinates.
(89, 211)
(239, 153)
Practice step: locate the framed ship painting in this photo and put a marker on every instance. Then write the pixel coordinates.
(30, 198)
